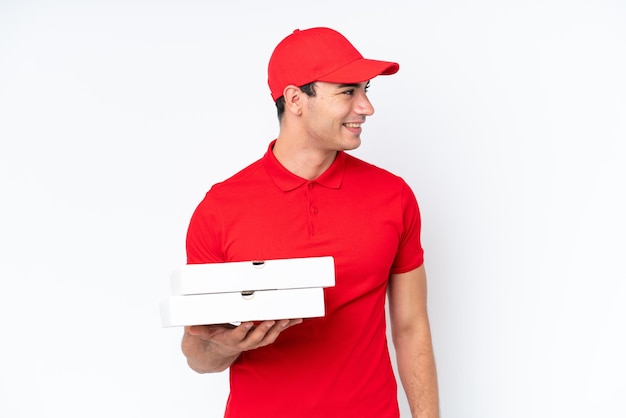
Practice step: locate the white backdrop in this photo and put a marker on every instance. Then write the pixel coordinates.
(507, 118)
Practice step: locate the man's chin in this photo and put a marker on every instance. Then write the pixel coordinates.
(354, 144)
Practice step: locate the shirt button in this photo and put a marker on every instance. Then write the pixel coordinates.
(311, 185)
(314, 210)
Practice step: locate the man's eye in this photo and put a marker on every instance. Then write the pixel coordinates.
(349, 92)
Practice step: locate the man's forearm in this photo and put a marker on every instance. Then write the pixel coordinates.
(204, 356)
(416, 365)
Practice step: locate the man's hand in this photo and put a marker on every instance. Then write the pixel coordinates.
(213, 348)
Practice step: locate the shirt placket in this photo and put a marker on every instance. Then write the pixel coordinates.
(312, 207)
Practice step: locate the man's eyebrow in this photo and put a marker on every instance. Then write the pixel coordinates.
(353, 85)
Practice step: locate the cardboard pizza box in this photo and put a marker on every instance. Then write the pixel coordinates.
(219, 293)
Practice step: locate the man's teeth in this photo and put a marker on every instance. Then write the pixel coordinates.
(353, 125)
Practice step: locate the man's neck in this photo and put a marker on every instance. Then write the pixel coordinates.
(304, 161)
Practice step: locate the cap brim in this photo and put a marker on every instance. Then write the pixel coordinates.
(360, 70)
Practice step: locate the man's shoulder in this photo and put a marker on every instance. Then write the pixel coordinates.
(240, 179)
(370, 171)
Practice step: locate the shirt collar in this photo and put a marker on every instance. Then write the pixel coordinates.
(287, 181)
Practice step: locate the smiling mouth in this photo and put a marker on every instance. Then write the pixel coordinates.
(352, 125)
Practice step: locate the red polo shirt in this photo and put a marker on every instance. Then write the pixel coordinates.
(368, 220)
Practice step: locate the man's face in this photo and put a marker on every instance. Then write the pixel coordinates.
(333, 117)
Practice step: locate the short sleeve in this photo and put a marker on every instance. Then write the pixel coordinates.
(204, 234)
(410, 253)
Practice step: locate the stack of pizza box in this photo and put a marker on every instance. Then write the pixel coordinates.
(234, 292)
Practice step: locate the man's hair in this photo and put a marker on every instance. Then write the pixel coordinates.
(308, 89)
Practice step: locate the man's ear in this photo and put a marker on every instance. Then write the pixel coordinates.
(293, 99)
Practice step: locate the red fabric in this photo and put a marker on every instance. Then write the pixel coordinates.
(368, 220)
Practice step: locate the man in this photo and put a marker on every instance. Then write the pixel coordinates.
(306, 197)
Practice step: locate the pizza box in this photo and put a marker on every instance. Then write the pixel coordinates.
(234, 307)
(292, 273)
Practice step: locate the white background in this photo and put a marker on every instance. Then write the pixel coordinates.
(507, 118)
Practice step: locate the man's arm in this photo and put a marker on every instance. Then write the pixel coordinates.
(410, 330)
(213, 348)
